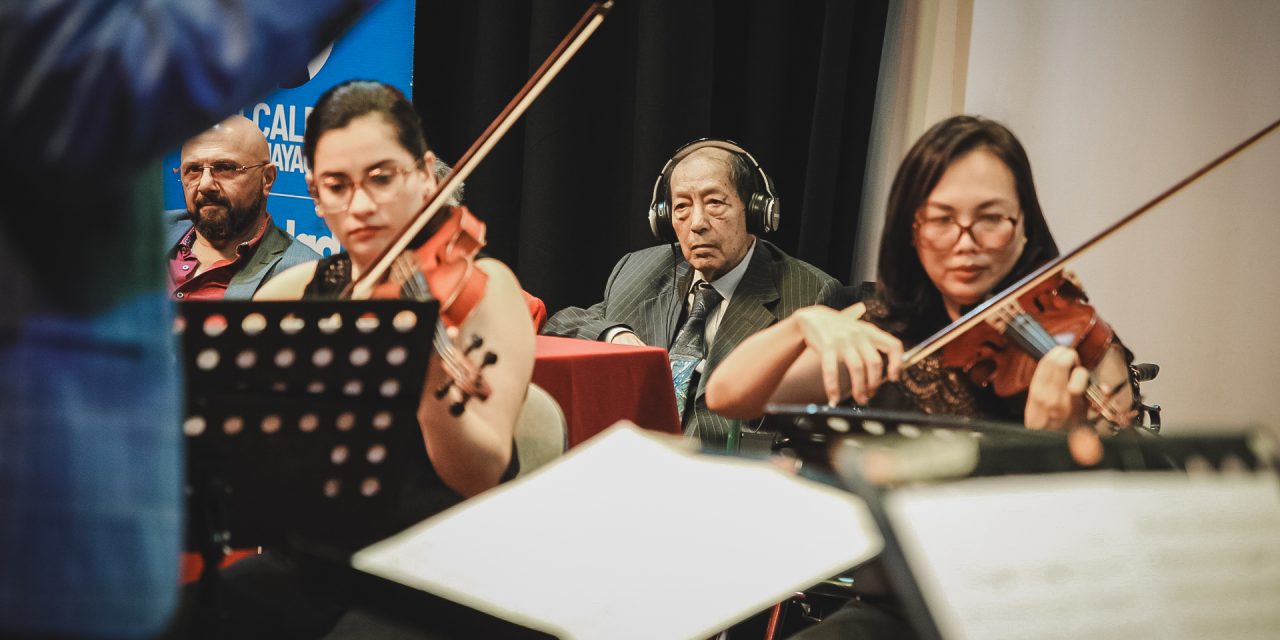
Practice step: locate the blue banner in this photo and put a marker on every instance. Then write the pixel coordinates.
(379, 47)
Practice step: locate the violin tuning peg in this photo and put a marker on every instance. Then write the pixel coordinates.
(476, 343)
(456, 409)
(489, 358)
(444, 389)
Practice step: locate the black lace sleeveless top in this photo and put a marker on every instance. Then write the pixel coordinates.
(333, 274)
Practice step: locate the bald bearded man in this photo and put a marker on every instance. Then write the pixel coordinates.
(225, 245)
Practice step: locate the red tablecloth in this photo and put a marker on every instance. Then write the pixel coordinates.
(598, 384)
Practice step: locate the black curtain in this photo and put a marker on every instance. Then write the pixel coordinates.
(566, 193)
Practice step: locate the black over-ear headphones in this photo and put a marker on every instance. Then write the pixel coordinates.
(763, 209)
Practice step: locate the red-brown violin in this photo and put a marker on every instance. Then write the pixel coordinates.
(1003, 352)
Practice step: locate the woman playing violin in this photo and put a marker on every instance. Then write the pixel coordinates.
(370, 174)
(963, 222)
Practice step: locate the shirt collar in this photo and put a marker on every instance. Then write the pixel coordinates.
(184, 245)
(726, 284)
(189, 238)
(246, 247)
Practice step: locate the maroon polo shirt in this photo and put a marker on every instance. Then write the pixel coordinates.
(212, 283)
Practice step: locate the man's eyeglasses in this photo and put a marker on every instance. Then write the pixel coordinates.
(333, 193)
(988, 230)
(190, 174)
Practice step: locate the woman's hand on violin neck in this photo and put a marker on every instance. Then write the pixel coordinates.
(1055, 398)
(850, 351)
(1112, 377)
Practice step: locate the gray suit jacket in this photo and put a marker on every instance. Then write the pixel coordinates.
(641, 294)
(275, 253)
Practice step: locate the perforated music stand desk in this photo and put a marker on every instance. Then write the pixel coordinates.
(301, 417)
(919, 523)
(301, 428)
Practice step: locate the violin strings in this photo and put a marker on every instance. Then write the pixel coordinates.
(1041, 340)
(1015, 318)
(456, 366)
(405, 270)
(1102, 401)
(411, 282)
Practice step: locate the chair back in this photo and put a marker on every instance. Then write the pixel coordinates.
(541, 431)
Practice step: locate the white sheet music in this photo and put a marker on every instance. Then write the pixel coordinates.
(627, 537)
(1097, 555)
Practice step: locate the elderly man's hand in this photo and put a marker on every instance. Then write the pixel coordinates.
(627, 337)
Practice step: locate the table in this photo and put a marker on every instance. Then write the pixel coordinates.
(598, 384)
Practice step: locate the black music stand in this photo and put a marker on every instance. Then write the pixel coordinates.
(1003, 447)
(302, 433)
(816, 433)
(300, 418)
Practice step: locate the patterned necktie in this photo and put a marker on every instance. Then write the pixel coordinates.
(690, 346)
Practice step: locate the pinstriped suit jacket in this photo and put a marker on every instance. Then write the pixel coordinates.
(642, 294)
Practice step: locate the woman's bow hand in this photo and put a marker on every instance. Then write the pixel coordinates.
(848, 345)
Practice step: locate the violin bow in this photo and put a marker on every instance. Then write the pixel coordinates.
(992, 305)
(586, 26)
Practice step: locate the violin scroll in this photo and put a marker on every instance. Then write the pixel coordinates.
(464, 374)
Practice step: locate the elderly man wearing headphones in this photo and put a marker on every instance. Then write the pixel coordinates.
(723, 284)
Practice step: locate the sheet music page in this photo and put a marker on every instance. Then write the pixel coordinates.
(628, 537)
(1097, 555)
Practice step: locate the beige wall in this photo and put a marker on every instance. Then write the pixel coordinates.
(1115, 101)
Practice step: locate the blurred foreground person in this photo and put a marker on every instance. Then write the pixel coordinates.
(90, 452)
